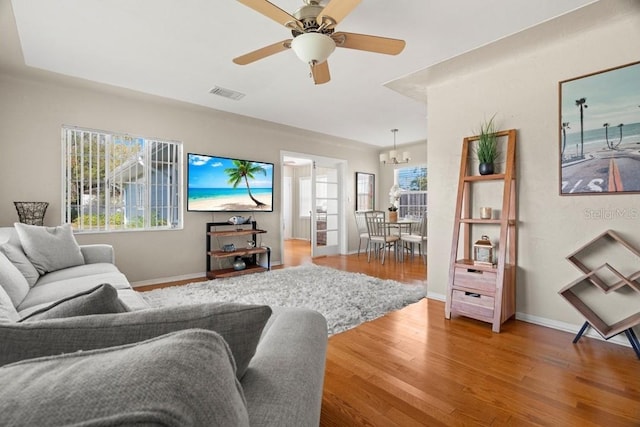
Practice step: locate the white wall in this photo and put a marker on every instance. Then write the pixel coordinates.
(301, 225)
(33, 109)
(521, 86)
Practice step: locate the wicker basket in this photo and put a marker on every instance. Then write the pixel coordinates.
(31, 212)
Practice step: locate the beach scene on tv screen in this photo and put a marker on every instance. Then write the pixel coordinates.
(222, 184)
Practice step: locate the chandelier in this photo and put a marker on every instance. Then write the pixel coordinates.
(392, 158)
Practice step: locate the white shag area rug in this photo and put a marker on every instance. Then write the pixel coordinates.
(345, 299)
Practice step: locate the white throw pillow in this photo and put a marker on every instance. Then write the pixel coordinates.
(49, 248)
(8, 312)
(22, 263)
(12, 281)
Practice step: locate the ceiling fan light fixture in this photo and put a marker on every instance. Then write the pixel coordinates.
(313, 48)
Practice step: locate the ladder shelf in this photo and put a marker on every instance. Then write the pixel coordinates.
(484, 292)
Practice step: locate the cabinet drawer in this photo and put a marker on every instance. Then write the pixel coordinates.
(472, 305)
(482, 281)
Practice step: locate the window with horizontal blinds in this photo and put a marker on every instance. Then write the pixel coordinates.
(118, 182)
(413, 183)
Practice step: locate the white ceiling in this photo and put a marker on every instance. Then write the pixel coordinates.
(181, 49)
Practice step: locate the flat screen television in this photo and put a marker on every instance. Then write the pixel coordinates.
(222, 184)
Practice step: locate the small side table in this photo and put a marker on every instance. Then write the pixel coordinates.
(631, 336)
(607, 279)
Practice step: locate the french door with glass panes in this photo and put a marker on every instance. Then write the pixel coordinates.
(325, 208)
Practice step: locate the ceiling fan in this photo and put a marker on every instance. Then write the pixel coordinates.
(314, 36)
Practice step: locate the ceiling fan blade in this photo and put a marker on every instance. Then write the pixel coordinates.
(262, 52)
(320, 73)
(337, 10)
(368, 43)
(270, 11)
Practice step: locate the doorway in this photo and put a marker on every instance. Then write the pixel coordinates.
(313, 209)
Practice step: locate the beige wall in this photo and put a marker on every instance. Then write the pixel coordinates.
(32, 111)
(521, 86)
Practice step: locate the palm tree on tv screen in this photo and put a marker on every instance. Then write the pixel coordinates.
(244, 170)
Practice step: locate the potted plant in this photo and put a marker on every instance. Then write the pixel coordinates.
(487, 150)
(393, 213)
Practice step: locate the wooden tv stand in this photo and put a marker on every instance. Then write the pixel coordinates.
(227, 231)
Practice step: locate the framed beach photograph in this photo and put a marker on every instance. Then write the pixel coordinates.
(600, 132)
(223, 184)
(365, 191)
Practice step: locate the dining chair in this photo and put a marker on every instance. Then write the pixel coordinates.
(419, 238)
(380, 239)
(363, 232)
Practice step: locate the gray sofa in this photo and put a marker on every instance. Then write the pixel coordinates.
(97, 267)
(200, 365)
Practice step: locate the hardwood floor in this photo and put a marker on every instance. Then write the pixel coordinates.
(413, 367)
(412, 271)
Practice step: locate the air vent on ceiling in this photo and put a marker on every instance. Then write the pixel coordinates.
(227, 93)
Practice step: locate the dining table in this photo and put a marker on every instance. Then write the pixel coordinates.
(402, 226)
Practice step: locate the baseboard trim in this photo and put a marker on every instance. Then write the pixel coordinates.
(570, 327)
(553, 324)
(189, 276)
(167, 279)
(435, 296)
